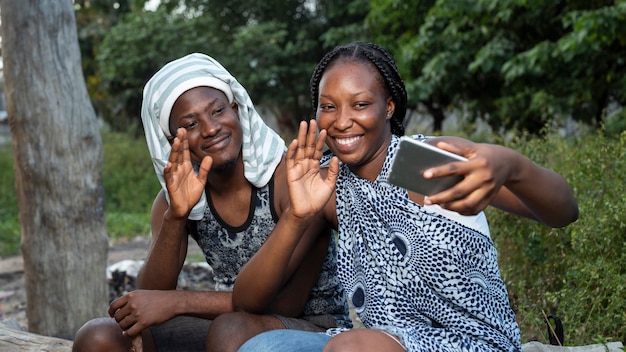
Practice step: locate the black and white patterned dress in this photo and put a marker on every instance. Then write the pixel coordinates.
(427, 275)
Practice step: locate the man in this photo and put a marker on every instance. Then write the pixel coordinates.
(224, 184)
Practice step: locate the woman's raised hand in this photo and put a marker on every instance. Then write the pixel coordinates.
(310, 186)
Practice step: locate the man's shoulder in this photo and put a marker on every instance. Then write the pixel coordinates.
(281, 192)
(160, 203)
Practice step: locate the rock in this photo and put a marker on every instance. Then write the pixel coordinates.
(122, 277)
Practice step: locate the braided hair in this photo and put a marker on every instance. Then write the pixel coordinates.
(384, 63)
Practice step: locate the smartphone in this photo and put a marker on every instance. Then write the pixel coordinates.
(412, 158)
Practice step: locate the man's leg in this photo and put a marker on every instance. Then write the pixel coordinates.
(182, 333)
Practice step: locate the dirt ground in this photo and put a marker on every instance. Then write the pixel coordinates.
(12, 286)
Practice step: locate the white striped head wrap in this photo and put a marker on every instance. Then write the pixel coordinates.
(262, 147)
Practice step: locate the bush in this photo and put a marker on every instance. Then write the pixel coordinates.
(578, 272)
(9, 223)
(130, 184)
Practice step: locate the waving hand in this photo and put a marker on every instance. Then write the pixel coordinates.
(310, 186)
(183, 185)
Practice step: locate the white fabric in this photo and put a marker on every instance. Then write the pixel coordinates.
(477, 222)
(164, 116)
(262, 147)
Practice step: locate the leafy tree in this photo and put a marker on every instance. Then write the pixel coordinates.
(272, 67)
(396, 26)
(515, 63)
(275, 59)
(94, 18)
(271, 47)
(344, 22)
(135, 49)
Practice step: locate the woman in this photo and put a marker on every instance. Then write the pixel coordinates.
(421, 272)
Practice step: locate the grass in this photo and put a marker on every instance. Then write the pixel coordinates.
(9, 223)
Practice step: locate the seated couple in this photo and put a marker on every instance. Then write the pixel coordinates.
(421, 272)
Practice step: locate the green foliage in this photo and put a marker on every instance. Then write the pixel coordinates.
(129, 182)
(578, 272)
(135, 49)
(9, 222)
(271, 48)
(273, 66)
(344, 23)
(515, 63)
(128, 175)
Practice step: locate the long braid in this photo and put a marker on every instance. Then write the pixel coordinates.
(384, 63)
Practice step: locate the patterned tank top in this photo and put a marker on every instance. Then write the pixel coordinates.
(227, 249)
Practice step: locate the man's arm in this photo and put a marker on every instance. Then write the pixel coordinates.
(168, 249)
(168, 246)
(157, 299)
(141, 309)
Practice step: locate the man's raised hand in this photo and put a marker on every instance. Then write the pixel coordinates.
(183, 185)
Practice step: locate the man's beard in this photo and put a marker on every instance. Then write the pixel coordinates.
(227, 164)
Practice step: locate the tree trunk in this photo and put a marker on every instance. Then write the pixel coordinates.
(58, 156)
(437, 115)
(21, 341)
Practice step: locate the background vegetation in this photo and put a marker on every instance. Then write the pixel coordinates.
(130, 187)
(525, 67)
(579, 272)
(513, 63)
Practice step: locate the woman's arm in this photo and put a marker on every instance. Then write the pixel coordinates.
(288, 262)
(506, 179)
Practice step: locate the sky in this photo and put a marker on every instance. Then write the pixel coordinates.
(152, 4)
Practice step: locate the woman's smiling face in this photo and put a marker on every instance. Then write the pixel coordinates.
(354, 108)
